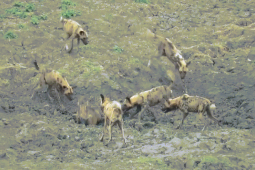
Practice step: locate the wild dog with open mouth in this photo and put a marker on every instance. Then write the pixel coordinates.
(147, 99)
(74, 30)
(54, 81)
(87, 115)
(188, 104)
(168, 49)
(113, 115)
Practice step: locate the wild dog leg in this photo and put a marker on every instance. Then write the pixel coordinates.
(140, 113)
(78, 42)
(71, 47)
(102, 137)
(185, 114)
(58, 98)
(120, 123)
(48, 92)
(138, 109)
(110, 132)
(67, 38)
(153, 114)
(201, 118)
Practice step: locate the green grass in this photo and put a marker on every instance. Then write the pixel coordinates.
(213, 160)
(66, 3)
(143, 1)
(43, 17)
(10, 35)
(34, 20)
(13, 10)
(70, 13)
(19, 4)
(91, 67)
(21, 9)
(66, 12)
(21, 26)
(156, 162)
(22, 14)
(117, 49)
(30, 7)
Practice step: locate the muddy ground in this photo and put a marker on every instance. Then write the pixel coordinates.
(216, 36)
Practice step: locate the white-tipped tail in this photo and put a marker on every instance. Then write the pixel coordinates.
(61, 19)
(212, 107)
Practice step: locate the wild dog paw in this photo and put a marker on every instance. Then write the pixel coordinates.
(66, 47)
(139, 126)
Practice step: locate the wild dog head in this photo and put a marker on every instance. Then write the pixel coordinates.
(68, 90)
(83, 36)
(167, 48)
(173, 104)
(129, 103)
(183, 67)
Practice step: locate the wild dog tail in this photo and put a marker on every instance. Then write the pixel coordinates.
(36, 65)
(62, 20)
(212, 107)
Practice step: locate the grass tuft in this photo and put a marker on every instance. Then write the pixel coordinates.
(143, 1)
(10, 35)
(34, 20)
(70, 13)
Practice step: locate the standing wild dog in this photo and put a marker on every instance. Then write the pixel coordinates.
(113, 115)
(54, 81)
(87, 115)
(188, 104)
(74, 30)
(168, 49)
(147, 99)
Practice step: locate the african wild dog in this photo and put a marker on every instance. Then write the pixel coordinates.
(113, 115)
(54, 81)
(168, 49)
(74, 30)
(87, 115)
(147, 99)
(188, 104)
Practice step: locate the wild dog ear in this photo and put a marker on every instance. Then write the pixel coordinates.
(128, 99)
(185, 96)
(188, 63)
(82, 32)
(102, 98)
(170, 44)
